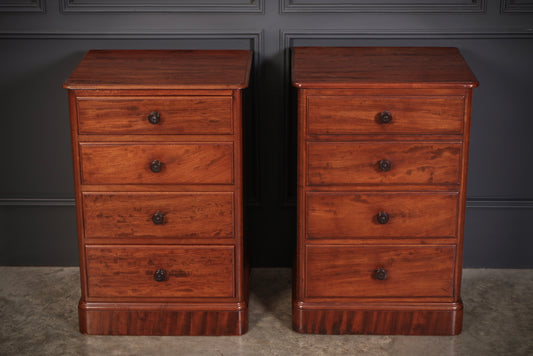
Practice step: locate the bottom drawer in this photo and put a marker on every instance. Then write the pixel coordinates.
(384, 271)
(160, 271)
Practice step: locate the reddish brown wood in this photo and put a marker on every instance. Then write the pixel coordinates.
(342, 114)
(416, 320)
(186, 275)
(335, 163)
(162, 319)
(421, 271)
(241, 259)
(155, 138)
(352, 215)
(378, 67)
(185, 215)
(382, 136)
(463, 191)
(206, 163)
(128, 271)
(77, 191)
(158, 188)
(162, 69)
(177, 115)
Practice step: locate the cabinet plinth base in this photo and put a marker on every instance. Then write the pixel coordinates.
(420, 319)
(159, 319)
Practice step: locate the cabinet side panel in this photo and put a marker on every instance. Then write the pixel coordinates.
(299, 287)
(241, 274)
(462, 193)
(73, 110)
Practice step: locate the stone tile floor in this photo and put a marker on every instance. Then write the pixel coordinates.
(38, 316)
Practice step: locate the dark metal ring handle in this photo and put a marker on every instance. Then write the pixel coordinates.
(383, 217)
(155, 166)
(385, 165)
(158, 218)
(160, 275)
(385, 117)
(154, 117)
(381, 274)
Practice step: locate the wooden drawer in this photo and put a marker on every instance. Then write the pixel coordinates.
(362, 115)
(187, 163)
(349, 271)
(366, 163)
(377, 215)
(129, 271)
(177, 115)
(158, 215)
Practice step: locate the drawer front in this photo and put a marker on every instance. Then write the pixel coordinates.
(158, 215)
(131, 271)
(378, 115)
(170, 115)
(353, 215)
(204, 163)
(348, 271)
(383, 163)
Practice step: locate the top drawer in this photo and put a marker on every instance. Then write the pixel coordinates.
(155, 115)
(345, 115)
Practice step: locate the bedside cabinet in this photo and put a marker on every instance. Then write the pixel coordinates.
(157, 146)
(382, 164)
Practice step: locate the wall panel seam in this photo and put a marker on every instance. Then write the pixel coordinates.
(288, 35)
(487, 203)
(366, 6)
(81, 6)
(29, 6)
(26, 202)
(257, 35)
(509, 7)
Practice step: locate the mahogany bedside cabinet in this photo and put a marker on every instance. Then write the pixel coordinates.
(383, 139)
(157, 147)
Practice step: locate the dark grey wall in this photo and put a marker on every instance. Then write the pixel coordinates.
(42, 41)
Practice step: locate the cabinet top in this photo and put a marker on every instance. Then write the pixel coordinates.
(373, 67)
(162, 69)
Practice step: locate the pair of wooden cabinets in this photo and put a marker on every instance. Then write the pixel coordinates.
(382, 161)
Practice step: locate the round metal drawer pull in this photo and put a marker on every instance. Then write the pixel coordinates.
(158, 218)
(383, 217)
(155, 166)
(385, 117)
(160, 275)
(154, 117)
(381, 274)
(385, 165)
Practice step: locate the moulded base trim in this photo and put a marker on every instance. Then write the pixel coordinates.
(160, 319)
(379, 319)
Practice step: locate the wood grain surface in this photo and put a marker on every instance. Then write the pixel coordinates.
(349, 271)
(387, 321)
(182, 163)
(177, 115)
(195, 194)
(160, 319)
(162, 69)
(185, 215)
(354, 215)
(375, 67)
(128, 271)
(357, 163)
(341, 114)
(382, 131)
